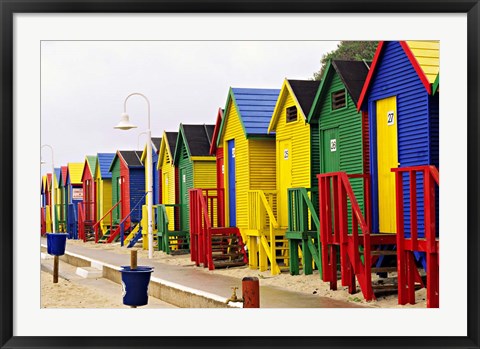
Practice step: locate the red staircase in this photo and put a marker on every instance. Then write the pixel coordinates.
(110, 226)
(336, 201)
(407, 244)
(359, 247)
(211, 244)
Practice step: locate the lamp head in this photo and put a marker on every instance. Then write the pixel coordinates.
(125, 123)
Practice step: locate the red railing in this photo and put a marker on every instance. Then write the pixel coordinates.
(349, 242)
(81, 222)
(43, 227)
(206, 211)
(428, 244)
(109, 212)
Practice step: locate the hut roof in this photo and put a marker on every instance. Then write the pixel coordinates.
(104, 161)
(424, 56)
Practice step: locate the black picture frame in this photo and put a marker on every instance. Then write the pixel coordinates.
(10, 7)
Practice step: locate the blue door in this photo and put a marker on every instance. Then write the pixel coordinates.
(232, 193)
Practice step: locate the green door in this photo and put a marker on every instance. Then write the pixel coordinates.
(330, 152)
(183, 191)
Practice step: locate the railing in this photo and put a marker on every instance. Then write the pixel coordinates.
(42, 222)
(428, 244)
(81, 222)
(109, 212)
(349, 241)
(200, 225)
(261, 219)
(162, 225)
(304, 226)
(121, 227)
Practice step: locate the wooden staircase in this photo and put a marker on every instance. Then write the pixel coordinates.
(360, 249)
(266, 241)
(212, 245)
(173, 242)
(226, 248)
(303, 231)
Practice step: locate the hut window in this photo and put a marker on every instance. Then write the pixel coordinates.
(338, 99)
(291, 114)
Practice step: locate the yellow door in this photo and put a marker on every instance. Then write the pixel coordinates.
(284, 157)
(165, 188)
(387, 158)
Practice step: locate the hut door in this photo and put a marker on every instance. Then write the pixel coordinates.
(285, 178)
(183, 199)
(387, 158)
(118, 208)
(330, 151)
(232, 193)
(165, 187)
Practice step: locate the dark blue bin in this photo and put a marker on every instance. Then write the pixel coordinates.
(56, 243)
(135, 285)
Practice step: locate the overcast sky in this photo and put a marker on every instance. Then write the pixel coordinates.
(84, 85)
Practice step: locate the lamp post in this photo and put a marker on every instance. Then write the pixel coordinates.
(53, 186)
(138, 139)
(125, 124)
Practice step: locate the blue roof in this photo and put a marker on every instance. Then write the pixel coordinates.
(255, 106)
(104, 161)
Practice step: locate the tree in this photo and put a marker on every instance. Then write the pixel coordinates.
(348, 50)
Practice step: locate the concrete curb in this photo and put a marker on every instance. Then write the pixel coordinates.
(170, 292)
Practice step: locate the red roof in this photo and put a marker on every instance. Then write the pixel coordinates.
(213, 145)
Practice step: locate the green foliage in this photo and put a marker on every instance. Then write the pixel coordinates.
(348, 50)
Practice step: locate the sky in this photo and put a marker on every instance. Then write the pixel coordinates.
(84, 85)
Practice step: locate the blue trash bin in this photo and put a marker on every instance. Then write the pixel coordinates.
(135, 285)
(56, 243)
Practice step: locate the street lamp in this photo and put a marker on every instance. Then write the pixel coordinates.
(125, 124)
(138, 139)
(53, 186)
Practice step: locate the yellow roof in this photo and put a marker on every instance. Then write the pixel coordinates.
(427, 54)
(75, 170)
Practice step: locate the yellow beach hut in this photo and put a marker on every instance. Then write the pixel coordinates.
(250, 174)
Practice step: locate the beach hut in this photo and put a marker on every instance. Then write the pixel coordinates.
(62, 199)
(292, 137)
(156, 175)
(250, 172)
(42, 205)
(103, 186)
(403, 123)
(128, 189)
(196, 167)
(168, 174)
(88, 211)
(74, 191)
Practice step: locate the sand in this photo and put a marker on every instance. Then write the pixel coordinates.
(310, 284)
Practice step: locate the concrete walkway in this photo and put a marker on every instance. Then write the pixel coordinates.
(188, 287)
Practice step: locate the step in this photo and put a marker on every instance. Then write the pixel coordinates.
(383, 253)
(384, 269)
(219, 265)
(226, 255)
(179, 252)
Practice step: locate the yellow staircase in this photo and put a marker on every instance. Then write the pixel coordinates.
(266, 242)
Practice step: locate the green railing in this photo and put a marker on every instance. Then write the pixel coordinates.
(304, 230)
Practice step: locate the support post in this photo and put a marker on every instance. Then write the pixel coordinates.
(251, 292)
(55, 269)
